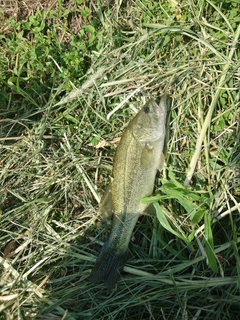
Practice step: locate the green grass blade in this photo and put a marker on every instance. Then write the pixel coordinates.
(164, 222)
(209, 246)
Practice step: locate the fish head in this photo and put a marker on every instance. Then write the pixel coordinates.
(149, 124)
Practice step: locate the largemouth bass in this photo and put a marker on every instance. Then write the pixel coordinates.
(137, 158)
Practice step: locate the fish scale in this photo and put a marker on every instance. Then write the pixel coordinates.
(137, 159)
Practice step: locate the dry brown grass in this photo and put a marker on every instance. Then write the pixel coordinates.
(51, 182)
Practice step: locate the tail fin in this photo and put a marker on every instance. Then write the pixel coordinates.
(108, 266)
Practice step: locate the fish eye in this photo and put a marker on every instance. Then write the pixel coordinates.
(146, 110)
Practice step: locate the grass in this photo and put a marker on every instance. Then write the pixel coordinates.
(71, 77)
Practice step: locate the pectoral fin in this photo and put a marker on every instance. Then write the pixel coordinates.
(150, 210)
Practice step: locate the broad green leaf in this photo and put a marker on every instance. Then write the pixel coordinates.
(181, 194)
(153, 198)
(164, 222)
(89, 28)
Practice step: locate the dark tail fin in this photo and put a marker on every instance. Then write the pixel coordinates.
(108, 266)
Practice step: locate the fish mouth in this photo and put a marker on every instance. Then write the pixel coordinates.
(161, 106)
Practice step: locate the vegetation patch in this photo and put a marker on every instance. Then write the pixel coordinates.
(72, 73)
